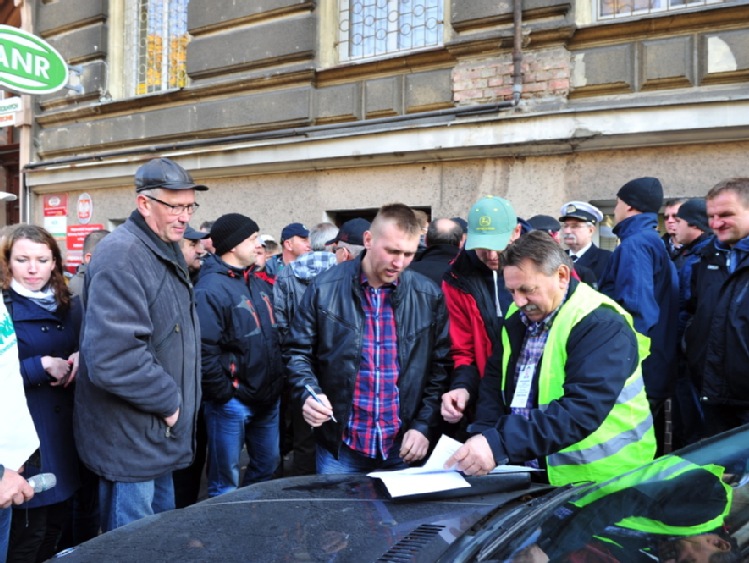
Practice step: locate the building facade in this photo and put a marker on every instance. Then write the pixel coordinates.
(321, 110)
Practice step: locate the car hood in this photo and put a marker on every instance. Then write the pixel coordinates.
(318, 518)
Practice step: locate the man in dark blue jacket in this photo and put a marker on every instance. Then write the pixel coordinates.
(241, 367)
(368, 353)
(692, 234)
(641, 277)
(717, 339)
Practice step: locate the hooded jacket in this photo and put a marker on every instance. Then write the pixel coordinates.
(474, 323)
(291, 284)
(139, 360)
(239, 341)
(641, 277)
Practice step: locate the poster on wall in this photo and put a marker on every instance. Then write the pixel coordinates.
(76, 236)
(55, 205)
(56, 218)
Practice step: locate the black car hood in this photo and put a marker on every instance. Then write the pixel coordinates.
(319, 518)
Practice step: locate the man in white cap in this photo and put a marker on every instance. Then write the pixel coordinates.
(476, 300)
(579, 220)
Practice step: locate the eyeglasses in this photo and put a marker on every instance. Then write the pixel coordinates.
(175, 209)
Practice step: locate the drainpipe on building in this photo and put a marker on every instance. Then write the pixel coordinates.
(26, 129)
(517, 53)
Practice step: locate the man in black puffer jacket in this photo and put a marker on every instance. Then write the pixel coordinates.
(368, 353)
(242, 370)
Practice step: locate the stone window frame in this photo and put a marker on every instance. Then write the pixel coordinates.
(386, 28)
(142, 64)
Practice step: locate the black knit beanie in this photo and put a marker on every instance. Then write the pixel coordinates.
(644, 194)
(694, 212)
(231, 229)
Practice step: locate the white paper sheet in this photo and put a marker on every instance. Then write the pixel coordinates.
(429, 478)
(432, 477)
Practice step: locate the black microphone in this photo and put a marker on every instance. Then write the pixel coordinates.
(42, 482)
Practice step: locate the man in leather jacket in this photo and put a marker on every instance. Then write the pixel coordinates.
(368, 353)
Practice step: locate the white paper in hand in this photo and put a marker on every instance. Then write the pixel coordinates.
(429, 478)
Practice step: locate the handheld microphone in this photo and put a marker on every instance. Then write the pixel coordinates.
(42, 482)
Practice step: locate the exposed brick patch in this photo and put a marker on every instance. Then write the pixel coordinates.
(546, 73)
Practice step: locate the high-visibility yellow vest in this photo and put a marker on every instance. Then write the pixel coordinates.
(625, 440)
(664, 469)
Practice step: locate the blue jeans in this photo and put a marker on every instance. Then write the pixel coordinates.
(352, 462)
(121, 503)
(5, 516)
(232, 425)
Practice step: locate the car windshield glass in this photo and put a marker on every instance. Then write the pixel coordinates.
(689, 506)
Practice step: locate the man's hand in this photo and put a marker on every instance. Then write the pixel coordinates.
(314, 413)
(14, 489)
(171, 420)
(414, 446)
(473, 458)
(454, 404)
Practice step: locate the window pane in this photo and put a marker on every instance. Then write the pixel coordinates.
(159, 31)
(608, 9)
(372, 28)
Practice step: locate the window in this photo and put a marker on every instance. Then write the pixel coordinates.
(609, 9)
(156, 44)
(373, 28)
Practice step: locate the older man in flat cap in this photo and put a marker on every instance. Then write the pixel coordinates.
(138, 388)
(579, 220)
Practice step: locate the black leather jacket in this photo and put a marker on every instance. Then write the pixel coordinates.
(325, 345)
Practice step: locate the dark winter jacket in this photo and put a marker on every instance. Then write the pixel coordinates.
(240, 353)
(718, 335)
(44, 333)
(595, 259)
(435, 261)
(690, 255)
(641, 277)
(140, 358)
(602, 352)
(475, 325)
(325, 346)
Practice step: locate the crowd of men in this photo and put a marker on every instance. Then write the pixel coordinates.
(355, 348)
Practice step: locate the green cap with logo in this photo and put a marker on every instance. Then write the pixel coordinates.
(491, 222)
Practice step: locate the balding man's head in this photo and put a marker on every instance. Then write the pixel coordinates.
(444, 231)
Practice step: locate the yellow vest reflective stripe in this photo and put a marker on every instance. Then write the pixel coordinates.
(663, 469)
(625, 440)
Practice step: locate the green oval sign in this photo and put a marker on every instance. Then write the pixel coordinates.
(29, 64)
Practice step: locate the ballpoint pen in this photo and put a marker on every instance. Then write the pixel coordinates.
(316, 398)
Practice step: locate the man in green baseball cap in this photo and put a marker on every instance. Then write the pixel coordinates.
(476, 300)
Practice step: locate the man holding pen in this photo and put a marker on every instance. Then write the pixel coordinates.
(368, 353)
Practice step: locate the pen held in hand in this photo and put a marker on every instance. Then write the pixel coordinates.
(316, 398)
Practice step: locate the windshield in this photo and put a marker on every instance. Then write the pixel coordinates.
(689, 506)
